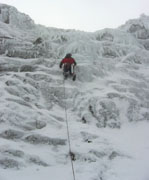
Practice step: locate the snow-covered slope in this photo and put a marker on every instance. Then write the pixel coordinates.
(107, 106)
(140, 29)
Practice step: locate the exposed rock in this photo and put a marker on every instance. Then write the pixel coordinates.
(98, 154)
(38, 41)
(37, 124)
(11, 134)
(37, 161)
(135, 27)
(39, 139)
(8, 163)
(12, 152)
(27, 68)
(105, 37)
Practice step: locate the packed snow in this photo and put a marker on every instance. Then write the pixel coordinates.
(107, 106)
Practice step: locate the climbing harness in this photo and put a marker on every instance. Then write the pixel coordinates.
(69, 70)
(68, 134)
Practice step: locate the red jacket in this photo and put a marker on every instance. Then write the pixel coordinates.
(68, 61)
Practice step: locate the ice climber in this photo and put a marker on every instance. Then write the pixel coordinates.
(68, 63)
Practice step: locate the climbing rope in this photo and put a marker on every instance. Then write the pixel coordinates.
(68, 134)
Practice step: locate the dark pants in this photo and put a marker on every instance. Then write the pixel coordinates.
(67, 68)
